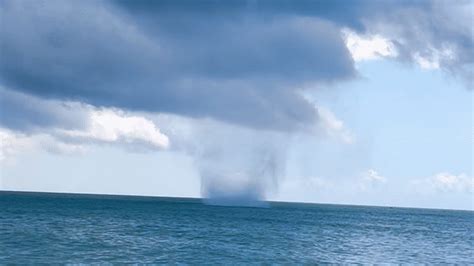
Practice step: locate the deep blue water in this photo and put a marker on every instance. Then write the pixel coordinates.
(66, 228)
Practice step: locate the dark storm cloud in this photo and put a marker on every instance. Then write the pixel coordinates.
(348, 13)
(238, 61)
(242, 70)
(442, 30)
(417, 27)
(25, 113)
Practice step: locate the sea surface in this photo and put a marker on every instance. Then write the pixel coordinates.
(70, 228)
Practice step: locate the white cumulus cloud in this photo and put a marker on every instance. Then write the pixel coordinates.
(112, 125)
(368, 47)
(451, 182)
(445, 182)
(13, 143)
(373, 176)
(103, 126)
(370, 179)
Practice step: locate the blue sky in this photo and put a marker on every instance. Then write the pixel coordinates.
(317, 103)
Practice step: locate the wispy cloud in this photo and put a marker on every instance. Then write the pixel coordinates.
(446, 182)
(333, 126)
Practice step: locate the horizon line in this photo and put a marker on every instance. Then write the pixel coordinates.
(111, 196)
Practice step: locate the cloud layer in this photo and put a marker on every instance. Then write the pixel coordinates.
(245, 71)
(244, 62)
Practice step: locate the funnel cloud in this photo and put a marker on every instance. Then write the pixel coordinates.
(237, 166)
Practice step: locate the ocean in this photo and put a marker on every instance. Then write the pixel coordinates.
(71, 228)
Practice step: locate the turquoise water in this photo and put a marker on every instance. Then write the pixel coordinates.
(66, 228)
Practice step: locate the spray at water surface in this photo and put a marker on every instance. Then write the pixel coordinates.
(239, 166)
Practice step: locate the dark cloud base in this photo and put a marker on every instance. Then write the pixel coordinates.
(242, 62)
